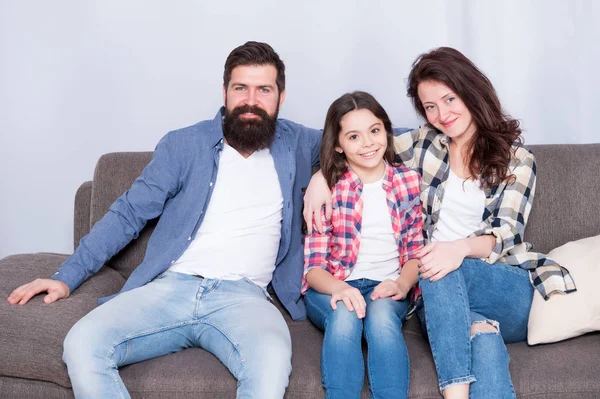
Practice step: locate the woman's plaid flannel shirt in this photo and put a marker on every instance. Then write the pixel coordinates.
(507, 206)
(336, 249)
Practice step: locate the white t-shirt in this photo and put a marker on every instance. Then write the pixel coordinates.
(378, 258)
(239, 236)
(462, 209)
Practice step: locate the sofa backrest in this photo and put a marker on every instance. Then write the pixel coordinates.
(566, 205)
(114, 174)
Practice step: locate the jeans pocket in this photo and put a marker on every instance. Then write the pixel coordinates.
(259, 288)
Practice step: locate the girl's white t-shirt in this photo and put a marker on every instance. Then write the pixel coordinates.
(378, 258)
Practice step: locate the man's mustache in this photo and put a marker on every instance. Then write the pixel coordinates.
(249, 109)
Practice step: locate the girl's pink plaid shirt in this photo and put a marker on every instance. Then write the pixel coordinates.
(336, 249)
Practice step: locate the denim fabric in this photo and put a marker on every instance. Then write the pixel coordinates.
(176, 185)
(234, 320)
(342, 363)
(477, 292)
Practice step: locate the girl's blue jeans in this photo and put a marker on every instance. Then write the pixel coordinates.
(477, 292)
(342, 363)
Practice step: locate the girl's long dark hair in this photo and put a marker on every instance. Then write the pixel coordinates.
(489, 152)
(333, 164)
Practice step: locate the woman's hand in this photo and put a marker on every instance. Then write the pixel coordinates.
(317, 194)
(352, 298)
(440, 258)
(390, 288)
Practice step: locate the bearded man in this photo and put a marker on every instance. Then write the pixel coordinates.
(228, 193)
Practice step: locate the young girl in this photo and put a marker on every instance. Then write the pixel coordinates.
(360, 270)
(478, 183)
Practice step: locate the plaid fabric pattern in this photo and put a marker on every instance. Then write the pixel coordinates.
(336, 249)
(507, 206)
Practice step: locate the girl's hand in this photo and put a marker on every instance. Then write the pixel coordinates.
(352, 298)
(390, 288)
(317, 194)
(440, 258)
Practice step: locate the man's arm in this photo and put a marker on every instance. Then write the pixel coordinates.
(123, 222)
(314, 136)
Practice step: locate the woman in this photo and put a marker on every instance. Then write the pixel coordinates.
(477, 189)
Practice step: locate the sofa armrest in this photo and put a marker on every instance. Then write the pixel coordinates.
(81, 220)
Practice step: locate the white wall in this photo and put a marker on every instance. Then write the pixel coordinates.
(82, 78)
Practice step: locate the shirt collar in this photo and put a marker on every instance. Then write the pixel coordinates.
(356, 183)
(444, 140)
(216, 133)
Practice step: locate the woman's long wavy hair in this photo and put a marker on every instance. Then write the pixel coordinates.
(333, 164)
(489, 151)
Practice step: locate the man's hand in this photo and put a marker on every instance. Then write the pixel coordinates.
(390, 288)
(437, 259)
(317, 194)
(352, 298)
(56, 290)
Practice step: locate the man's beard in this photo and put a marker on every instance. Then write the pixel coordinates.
(252, 134)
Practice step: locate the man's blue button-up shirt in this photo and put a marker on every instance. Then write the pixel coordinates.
(177, 185)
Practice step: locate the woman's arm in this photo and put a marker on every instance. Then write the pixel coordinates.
(506, 222)
(440, 258)
(317, 194)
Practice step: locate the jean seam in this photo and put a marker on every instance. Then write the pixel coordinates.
(324, 374)
(115, 376)
(318, 309)
(127, 339)
(231, 340)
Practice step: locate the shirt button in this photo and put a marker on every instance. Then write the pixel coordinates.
(210, 184)
(172, 261)
(190, 238)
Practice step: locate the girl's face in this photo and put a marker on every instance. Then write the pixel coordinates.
(446, 111)
(363, 140)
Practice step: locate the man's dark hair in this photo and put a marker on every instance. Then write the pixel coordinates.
(254, 53)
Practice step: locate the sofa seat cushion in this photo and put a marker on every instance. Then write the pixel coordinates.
(567, 369)
(31, 336)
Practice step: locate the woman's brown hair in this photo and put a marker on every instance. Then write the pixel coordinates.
(333, 164)
(489, 151)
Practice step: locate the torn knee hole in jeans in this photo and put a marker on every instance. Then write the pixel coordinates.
(484, 327)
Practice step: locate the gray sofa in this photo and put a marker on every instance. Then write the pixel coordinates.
(566, 208)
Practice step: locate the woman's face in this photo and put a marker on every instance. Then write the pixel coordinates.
(446, 111)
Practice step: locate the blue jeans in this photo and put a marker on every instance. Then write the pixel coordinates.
(234, 320)
(342, 364)
(477, 292)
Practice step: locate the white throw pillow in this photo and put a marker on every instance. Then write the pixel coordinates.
(567, 316)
